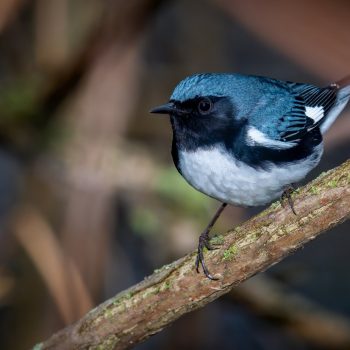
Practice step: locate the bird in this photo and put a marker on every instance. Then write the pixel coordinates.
(245, 140)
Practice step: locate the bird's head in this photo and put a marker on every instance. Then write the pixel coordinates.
(205, 103)
(198, 98)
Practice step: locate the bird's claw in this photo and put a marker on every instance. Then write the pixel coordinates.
(287, 194)
(204, 242)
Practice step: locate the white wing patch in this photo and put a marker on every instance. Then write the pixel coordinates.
(315, 113)
(257, 138)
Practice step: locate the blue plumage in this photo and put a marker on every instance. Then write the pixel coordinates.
(245, 139)
(275, 107)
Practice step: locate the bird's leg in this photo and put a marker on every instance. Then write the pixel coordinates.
(204, 242)
(287, 193)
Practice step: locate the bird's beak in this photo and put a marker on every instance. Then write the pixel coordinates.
(168, 108)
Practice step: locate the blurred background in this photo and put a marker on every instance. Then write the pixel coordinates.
(90, 201)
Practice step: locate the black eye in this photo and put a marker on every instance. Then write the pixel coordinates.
(205, 106)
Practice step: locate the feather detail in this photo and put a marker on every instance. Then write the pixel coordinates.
(311, 106)
(257, 138)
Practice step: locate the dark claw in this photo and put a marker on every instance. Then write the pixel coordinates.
(204, 242)
(291, 204)
(288, 194)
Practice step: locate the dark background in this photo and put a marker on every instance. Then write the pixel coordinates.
(90, 201)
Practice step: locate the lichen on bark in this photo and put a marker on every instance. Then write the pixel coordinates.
(146, 308)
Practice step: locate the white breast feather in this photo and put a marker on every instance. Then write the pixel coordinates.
(229, 180)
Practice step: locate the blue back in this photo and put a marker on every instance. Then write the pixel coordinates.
(261, 100)
(274, 107)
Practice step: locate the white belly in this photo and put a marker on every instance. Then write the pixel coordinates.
(212, 172)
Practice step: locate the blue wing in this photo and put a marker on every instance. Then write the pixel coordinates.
(309, 108)
(287, 111)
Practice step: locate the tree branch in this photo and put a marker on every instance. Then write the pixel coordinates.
(146, 308)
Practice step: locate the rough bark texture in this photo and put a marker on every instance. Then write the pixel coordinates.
(146, 308)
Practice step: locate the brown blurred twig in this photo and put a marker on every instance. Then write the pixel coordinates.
(272, 299)
(146, 308)
(59, 273)
(8, 10)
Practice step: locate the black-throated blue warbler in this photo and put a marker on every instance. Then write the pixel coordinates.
(244, 140)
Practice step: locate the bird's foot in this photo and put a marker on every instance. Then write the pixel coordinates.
(287, 194)
(203, 242)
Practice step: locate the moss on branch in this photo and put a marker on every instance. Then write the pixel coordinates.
(146, 308)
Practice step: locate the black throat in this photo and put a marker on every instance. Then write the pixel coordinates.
(190, 136)
(193, 130)
(221, 128)
(232, 139)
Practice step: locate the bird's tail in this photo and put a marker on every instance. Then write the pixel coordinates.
(343, 96)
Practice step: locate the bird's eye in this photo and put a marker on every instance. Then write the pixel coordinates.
(205, 106)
